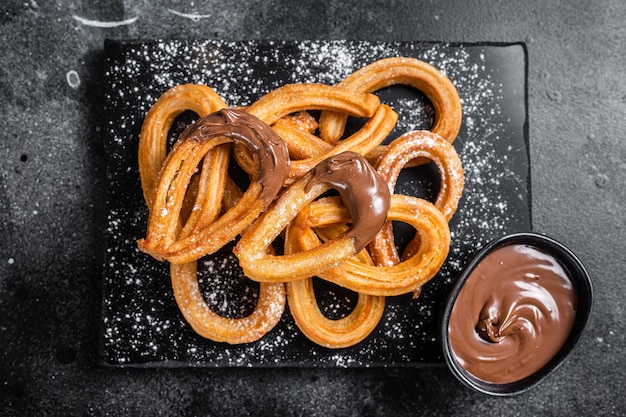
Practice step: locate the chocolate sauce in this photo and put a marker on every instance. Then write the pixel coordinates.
(512, 315)
(362, 190)
(270, 149)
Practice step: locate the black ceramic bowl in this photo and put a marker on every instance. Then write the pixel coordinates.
(581, 282)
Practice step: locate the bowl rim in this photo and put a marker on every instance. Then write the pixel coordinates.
(581, 280)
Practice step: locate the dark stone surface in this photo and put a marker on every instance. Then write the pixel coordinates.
(52, 206)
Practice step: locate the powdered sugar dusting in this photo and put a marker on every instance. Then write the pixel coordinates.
(141, 322)
(225, 289)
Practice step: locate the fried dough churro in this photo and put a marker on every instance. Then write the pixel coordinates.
(296, 165)
(164, 227)
(366, 197)
(408, 71)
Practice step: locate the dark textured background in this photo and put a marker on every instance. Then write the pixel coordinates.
(52, 213)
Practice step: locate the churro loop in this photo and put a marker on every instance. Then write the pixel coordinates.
(210, 325)
(426, 144)
(400, 70)
(152, 151)
(331, 333)
(404, 277)
(411, 145)
(363, 192)
(162, 240)
(186, 289)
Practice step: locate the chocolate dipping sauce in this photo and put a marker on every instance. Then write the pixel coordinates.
(240, 126)
(364, 192)
(513, 314)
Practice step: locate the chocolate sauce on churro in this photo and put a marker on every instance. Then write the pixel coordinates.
(273, 156)
(364, 192)
(512, 315)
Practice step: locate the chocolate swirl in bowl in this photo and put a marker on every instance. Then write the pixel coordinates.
(513, 314)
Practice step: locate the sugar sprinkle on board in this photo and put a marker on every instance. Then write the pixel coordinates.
(141, 325)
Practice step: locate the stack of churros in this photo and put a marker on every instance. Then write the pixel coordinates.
(293, 159)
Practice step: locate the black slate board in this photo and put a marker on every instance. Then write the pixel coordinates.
(141, 324)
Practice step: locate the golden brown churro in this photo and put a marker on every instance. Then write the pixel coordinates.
(293, 161)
